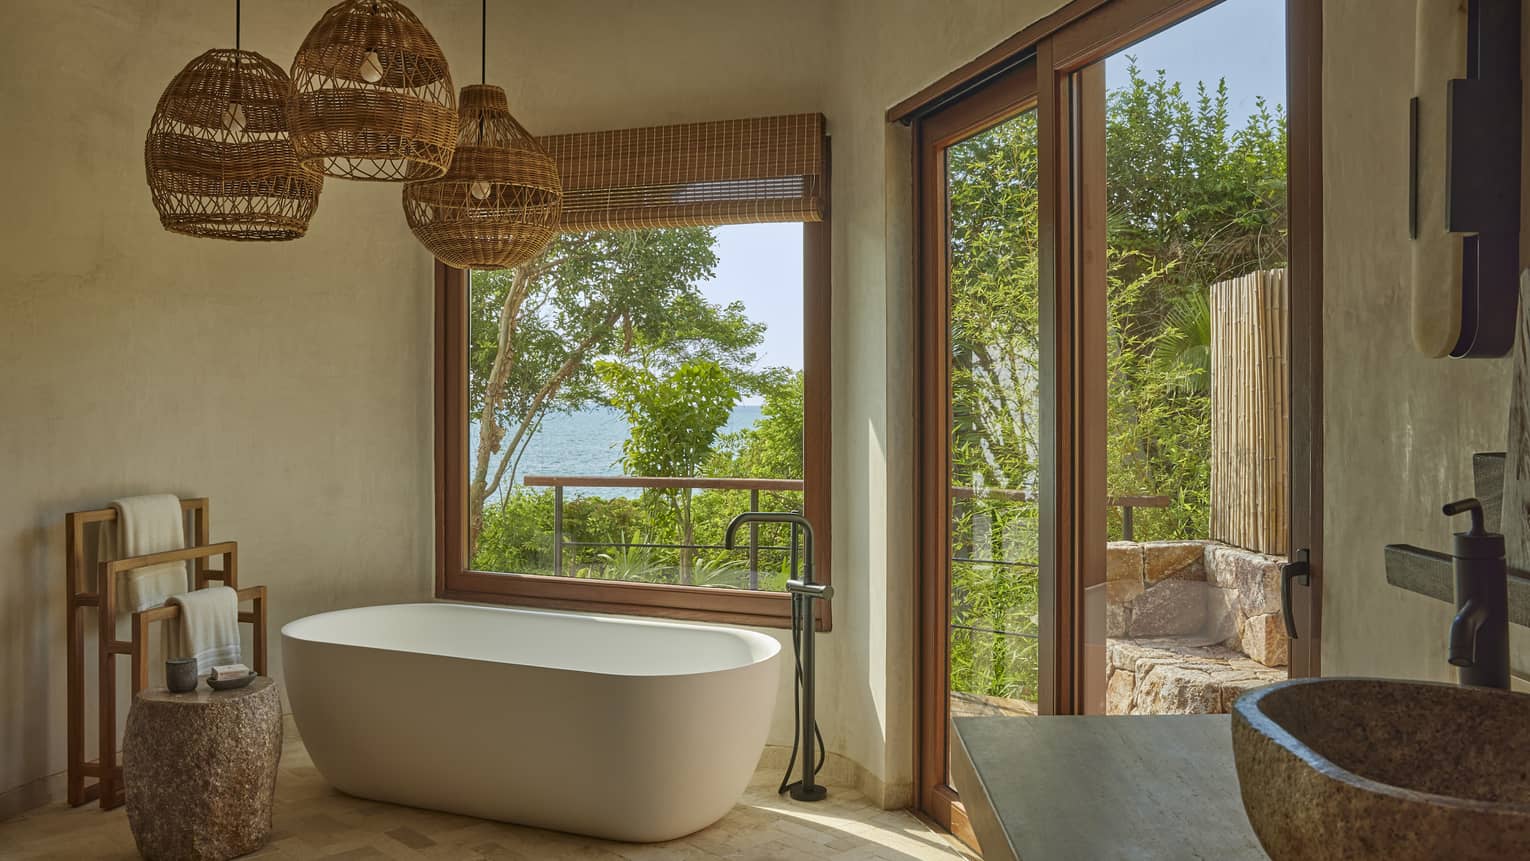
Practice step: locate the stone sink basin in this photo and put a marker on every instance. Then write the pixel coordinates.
(1366, 768)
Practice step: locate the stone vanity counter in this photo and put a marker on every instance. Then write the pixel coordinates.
(1102, 788)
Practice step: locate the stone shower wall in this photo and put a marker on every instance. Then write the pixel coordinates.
(1243, 603)
(1191, 625)
(1155, 589)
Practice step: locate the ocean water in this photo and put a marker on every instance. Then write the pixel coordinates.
(589, 442)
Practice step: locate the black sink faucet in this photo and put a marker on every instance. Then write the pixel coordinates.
(1479, 635)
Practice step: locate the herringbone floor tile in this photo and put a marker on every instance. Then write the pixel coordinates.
(314, 821)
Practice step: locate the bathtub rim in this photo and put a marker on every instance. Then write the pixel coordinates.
(774, 646)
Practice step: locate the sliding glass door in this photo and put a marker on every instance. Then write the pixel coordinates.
(1119, 377)
(982, 628)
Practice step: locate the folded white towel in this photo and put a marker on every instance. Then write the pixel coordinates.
(208, 629)
(145, 524)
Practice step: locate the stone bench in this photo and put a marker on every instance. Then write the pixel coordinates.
(1190, 626)
(1179, 675)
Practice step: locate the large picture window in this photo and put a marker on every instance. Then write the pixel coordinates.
(605, 410)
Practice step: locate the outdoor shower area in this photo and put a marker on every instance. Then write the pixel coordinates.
(1192, 584)
(1173, 326)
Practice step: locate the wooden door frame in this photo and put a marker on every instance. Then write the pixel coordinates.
(1058, 47)
(1304, 213)
(1011, 93)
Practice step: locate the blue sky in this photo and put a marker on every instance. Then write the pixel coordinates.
(761, 265)
(1241, 40)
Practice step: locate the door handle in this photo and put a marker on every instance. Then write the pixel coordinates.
(1299, 568)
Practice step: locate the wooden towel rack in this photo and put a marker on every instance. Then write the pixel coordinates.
(105, 769)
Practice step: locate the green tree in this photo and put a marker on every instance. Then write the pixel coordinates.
(995, 376)
(675, 416)
(1183, 354)
(1189, 197)
(1192, 200)
(773, 446)
(535, 332)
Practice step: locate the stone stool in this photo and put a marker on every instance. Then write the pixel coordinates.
(200, 770)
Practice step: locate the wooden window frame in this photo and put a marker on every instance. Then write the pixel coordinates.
(455, 581)
(1059, 47)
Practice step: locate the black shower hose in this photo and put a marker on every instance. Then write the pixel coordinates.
(791, 762)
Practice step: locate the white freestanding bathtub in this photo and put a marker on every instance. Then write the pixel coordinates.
(618, 728)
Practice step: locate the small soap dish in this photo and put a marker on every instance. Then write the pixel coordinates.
(230, 684)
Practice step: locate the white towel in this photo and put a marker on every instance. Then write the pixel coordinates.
(208, 629)
(145, 524)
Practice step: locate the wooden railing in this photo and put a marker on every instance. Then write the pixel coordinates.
(633, 482)
(1126, 503)
(755, 486)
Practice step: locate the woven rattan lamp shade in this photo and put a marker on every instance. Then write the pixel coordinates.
(217, 155)
(372, 96)
(498, 204)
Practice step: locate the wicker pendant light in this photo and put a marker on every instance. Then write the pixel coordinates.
(497, 206)
(217, 155)
(372, 96)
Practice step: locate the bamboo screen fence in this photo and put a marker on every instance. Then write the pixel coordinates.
(1250, 411)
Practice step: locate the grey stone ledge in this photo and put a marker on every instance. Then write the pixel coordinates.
(1432, 574)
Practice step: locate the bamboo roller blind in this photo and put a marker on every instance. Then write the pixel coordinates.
(694, 175)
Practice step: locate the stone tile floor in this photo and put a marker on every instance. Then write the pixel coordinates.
(313, 820)
(980, 705)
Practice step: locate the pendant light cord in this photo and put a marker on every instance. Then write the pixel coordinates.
(483, 59)
(237, 17)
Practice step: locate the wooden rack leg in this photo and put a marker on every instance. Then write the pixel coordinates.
(76, 673)
(258, 639)
(140, 653)
(108, 689)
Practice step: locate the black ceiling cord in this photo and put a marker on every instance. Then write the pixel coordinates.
(237, 17)
(483, 59)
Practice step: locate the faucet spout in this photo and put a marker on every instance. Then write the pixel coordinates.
(1465, 631)
(775, 517)
(1479, 635)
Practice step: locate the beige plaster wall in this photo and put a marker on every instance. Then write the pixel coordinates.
(1399, 429)
(851, 60)
(586, 65)
(290, 383)
(884, 52)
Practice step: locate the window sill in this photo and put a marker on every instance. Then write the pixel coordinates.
(686, 603)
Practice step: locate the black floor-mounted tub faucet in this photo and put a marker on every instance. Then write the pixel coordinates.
(804, 592)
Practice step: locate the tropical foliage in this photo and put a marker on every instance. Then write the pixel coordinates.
(1192, 200)
(617, 319)
(676, 421)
